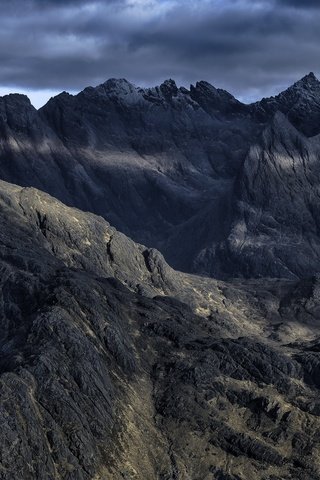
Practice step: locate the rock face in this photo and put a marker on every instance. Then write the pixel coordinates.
(157, 157)
(103, 376)
(276, 216)
(300, 102)
(112, 364)
(153, 162)
(167, 167)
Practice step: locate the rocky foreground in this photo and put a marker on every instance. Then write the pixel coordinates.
(114, 366)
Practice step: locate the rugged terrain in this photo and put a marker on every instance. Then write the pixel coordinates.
(162, 163)
(107, 373)
(114, 365)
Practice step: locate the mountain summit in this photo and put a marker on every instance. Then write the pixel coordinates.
(301, 102)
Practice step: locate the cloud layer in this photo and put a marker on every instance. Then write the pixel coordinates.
(252, 48)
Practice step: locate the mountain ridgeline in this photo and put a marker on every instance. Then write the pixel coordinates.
(220, 188)
(160, 287)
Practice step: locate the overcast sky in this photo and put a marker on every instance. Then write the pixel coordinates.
(253, 48)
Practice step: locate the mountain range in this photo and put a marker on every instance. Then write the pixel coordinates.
(160, 305)
(163, 163)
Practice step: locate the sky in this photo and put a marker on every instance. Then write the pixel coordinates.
(252, 48)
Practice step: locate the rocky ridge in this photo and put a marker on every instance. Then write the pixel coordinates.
(106, 373)
(112, 363)
(158, 163)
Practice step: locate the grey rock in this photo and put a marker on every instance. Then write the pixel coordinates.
(275, 227)
(193, 173)
(150, 161)
(99, 380)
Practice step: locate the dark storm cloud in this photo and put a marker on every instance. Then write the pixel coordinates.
(251, 48)
(301, 4)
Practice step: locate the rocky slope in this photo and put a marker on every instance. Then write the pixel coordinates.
(276, 216)
(148, 160)
(105, 372)
(169, 167)
(112, 364)
(300, 102)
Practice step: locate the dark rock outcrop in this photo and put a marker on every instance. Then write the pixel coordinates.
(300, 102)
(276, 216)
(100, 378)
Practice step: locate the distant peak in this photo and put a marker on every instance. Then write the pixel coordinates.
(205, 87)
(309, 80)
(169, 83)
(169, 87)
(208, 90)
(116, 87)
(311, 76)
(17, 100)
(117, 83)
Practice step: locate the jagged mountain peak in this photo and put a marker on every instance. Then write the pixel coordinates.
(169, 82)
(311, 75)
(307, 83)
(310, 79)
(169, 87)
(214, 99)
(203, 84)
(113, 87)
(301, 102)
(118, 85)
(16, 98)
(207, 87)
(210, 90)
(305, 89)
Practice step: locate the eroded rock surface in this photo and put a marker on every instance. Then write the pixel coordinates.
(112, 365)
(172, 167)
